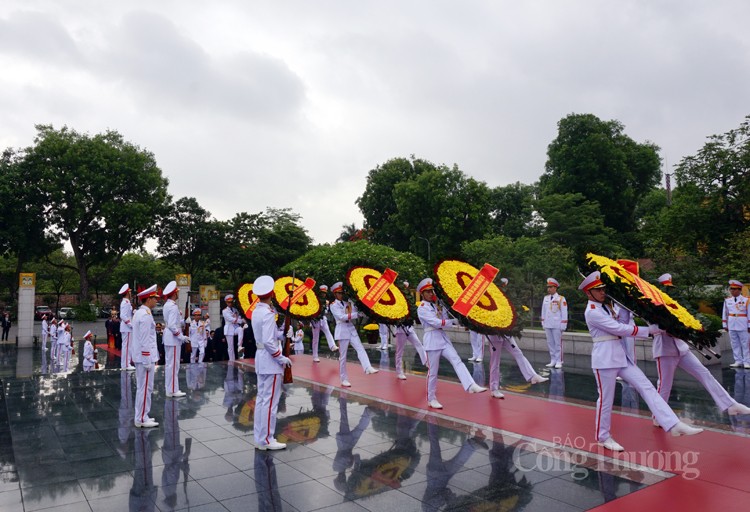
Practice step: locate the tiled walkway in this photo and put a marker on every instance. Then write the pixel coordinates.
(67, 442)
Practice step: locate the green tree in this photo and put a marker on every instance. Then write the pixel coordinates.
(574, 222)
(56, 275)
(140, 269)
(378, 204)
(187, 235)
(22, 227)
(441, 209)
(328, 264)
(512, 210)
(596, 159)
(99, 192)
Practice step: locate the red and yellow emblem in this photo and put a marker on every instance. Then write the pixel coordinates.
(377, 292)
(305, 304)
(246, 299)
(474, 296)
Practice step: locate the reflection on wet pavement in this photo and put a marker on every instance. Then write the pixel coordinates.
(67, 441)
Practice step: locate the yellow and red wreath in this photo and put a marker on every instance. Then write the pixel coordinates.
(305, 307)
(493, 313)
(391, 306)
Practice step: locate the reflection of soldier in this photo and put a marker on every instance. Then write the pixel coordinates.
(266, 485)
(557, 383)
(126, 413)
(385, 359)
(196, 381)
(742, 395)
(497, 344)
(440, 472)
(233, 384)
(477, 346)
(143, 492)
(478, 373)
(346, 440)
(406, 333)
(629, 397)
(172, 453)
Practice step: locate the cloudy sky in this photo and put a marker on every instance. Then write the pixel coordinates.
(250, 104)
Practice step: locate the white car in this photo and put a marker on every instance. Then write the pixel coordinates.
(66, 313)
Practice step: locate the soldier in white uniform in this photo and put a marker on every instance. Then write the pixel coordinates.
(497, 344)
(554, 321)
(64, 346)
(173, 340)
(53, 340)
(269, 366)
(384, 334)
(406, 333)
(671, 353)
(735, 319)
(145, 355)
(233, 325)
(434, 318)
(88, 353)
(477, 346)
(198, 337)
(45, 332)
(126, 329)
(346, 332)
(321, 324)
(609, 359)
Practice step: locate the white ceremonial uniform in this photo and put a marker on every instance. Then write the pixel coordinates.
(198, 340)
(173, 339)
(383, 332)
(299, 347)
(321, 324)
(126, 332)
(735, 319)
(145, 354)
(269, 373)
(497, 344)
(232, 325)
(53, 342)
(624, 316)
(88, 356)
(609, 359)
(669, 353)
(477, 345)
(436, 343)
(554, 322)
(345, 312)
(406, 333)
(64, 349)
(45, 333)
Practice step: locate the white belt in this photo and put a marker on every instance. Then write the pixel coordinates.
(605, 338)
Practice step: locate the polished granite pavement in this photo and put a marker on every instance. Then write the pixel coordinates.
(67, 442)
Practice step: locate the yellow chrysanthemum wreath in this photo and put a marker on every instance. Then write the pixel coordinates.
(650, 303)
(392, 308)
(307, 307)
(493, 314)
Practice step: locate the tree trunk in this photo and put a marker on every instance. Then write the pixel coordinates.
(83, 270)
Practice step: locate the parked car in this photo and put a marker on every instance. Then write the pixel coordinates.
(41, 311)
(158, 310)
(66, 313)
(106, 311)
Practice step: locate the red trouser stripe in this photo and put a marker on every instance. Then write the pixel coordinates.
(145, 393)
(270, 406)
(175, 366)
(601, 403)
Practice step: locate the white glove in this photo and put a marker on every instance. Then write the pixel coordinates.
(654, 329)
(284, 361)
(184, 339)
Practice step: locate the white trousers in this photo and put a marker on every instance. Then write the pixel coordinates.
(144, 387)
(125, 353)
(401, 339)
(497, 344)
(666, 366)
(433, 365)
(361, 354)
(172, 368)
(606, 381)
(266, 407)
(740, 349)
(198, 352)
(317, 326)
(554, 343)
(477, 345)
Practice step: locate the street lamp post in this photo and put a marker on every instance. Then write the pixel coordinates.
(428, 247)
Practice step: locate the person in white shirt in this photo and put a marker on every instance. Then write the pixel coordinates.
(735, 318)
(234, 325)
(299, 335)
(198, 337)
(344, 311)
(126, 329)
(434, 319)
(145, 355)
(88, 353)
(554, 322)
(173, 340)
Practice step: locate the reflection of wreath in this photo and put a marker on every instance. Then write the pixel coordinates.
(306, 307)
(383, 472)
(392, 307)
(302, 428)
(492, 314)
(650, 303)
